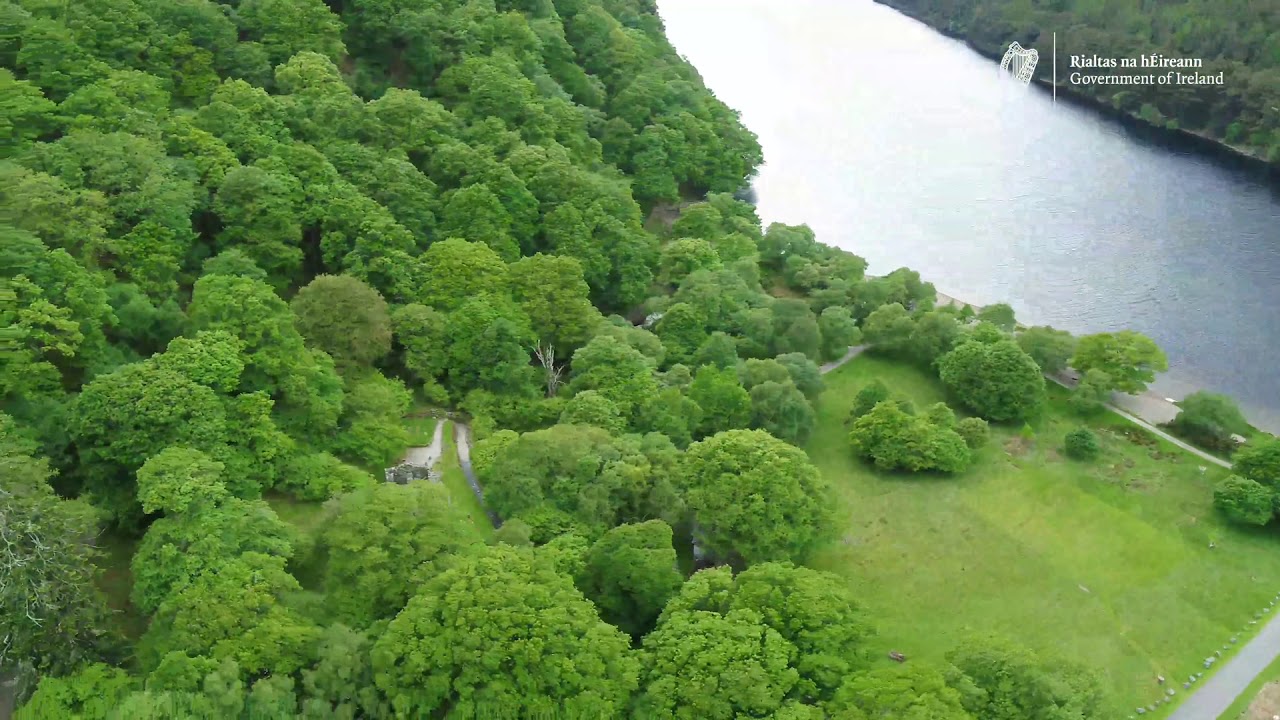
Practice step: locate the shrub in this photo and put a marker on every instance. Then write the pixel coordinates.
(895, 440)
(867, 398)
(997, 380)
(974, 431)
(1209, 420)
(320, 476)
(1244, 501)
(941, 415)
(1081, 444)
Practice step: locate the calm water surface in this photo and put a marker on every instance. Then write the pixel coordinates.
(908, 148)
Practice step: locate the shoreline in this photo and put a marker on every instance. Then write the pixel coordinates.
(1219, 149)
(1151, 406)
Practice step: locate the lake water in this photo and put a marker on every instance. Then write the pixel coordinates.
(908, 148)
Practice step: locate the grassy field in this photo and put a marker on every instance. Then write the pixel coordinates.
(453, 479)
(1107, 562)
(420, 428)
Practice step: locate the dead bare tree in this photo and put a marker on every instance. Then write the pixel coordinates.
(546, 355)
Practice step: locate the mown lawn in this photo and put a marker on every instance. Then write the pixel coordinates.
(453, 479)
(1106, 562)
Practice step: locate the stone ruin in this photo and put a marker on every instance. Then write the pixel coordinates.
(404, 473)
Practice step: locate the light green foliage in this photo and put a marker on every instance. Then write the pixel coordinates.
(1245, 501)
(475, 214)
(258, 216)
(1210, 419)
(488, 449)
(286, 27)
(177, 480)
(340, 682)
(25, 114)
(370, 432)
(897, 440)
(814, 611)
(454, 270)
(345, 318)
(998, 381)
(614, 369)
(92, 692)
(723, 402)
(755, 498)
(914, 691)
(503, 607)
(681, 257)
(515, 532)
(178, 549)
(974, 431)
(1051, 349)
(384, 541)
(420, 331)
(745, 662)
(211, 358)
(553, 294)
(630, 573)
(683, 329)
(487, 347)
(1013, 684)
(597, 480)
(671, 413)
(782, 410)
(941, 415)
(1081, 444)
(320, 476)
(591, 408)
(236, 612)
(1131, 359)
(122, 418)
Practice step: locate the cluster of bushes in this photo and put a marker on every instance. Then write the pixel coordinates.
(1251, 495)
(888, 432)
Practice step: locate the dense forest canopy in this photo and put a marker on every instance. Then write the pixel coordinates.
(240, 241)
(1238, 38)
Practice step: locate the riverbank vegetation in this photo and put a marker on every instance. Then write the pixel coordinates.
(1234, 37)
(241, 246)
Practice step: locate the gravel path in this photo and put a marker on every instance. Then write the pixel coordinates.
(428, 456)
(1222, 688)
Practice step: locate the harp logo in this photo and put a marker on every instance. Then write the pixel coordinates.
(1020, 62)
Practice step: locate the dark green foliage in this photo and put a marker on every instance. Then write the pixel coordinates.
(998, 381)
(1081, 444)
(1092, 392)
(1260, 461)
(1051, 349)
(975, 432)
(1000, 315)
(999, 681)
(782, 410)
(630, 573)
(344, 317)
(868, 398)
(1192, 29)
(723, 403)
(1209, 420)
(1245, 501)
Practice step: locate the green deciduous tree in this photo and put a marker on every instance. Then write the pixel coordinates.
(619, 372)
(552, 292)
(630, 573)
(916, 691)
(502, 608)
(1013, 684)
(839, 332)
(1131, 359)
(454, 270)
(1210, 419)
(998, 381)
(344, 317)
(754, 497)
(1259, 460)
(723, 403)
(897, 440)
(782, 410)
(384, 541)
(1051, 349)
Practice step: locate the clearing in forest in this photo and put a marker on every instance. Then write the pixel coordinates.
(1106, 562)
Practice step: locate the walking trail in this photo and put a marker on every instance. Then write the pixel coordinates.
(428, 456)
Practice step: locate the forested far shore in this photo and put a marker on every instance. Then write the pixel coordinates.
(1237, 38)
